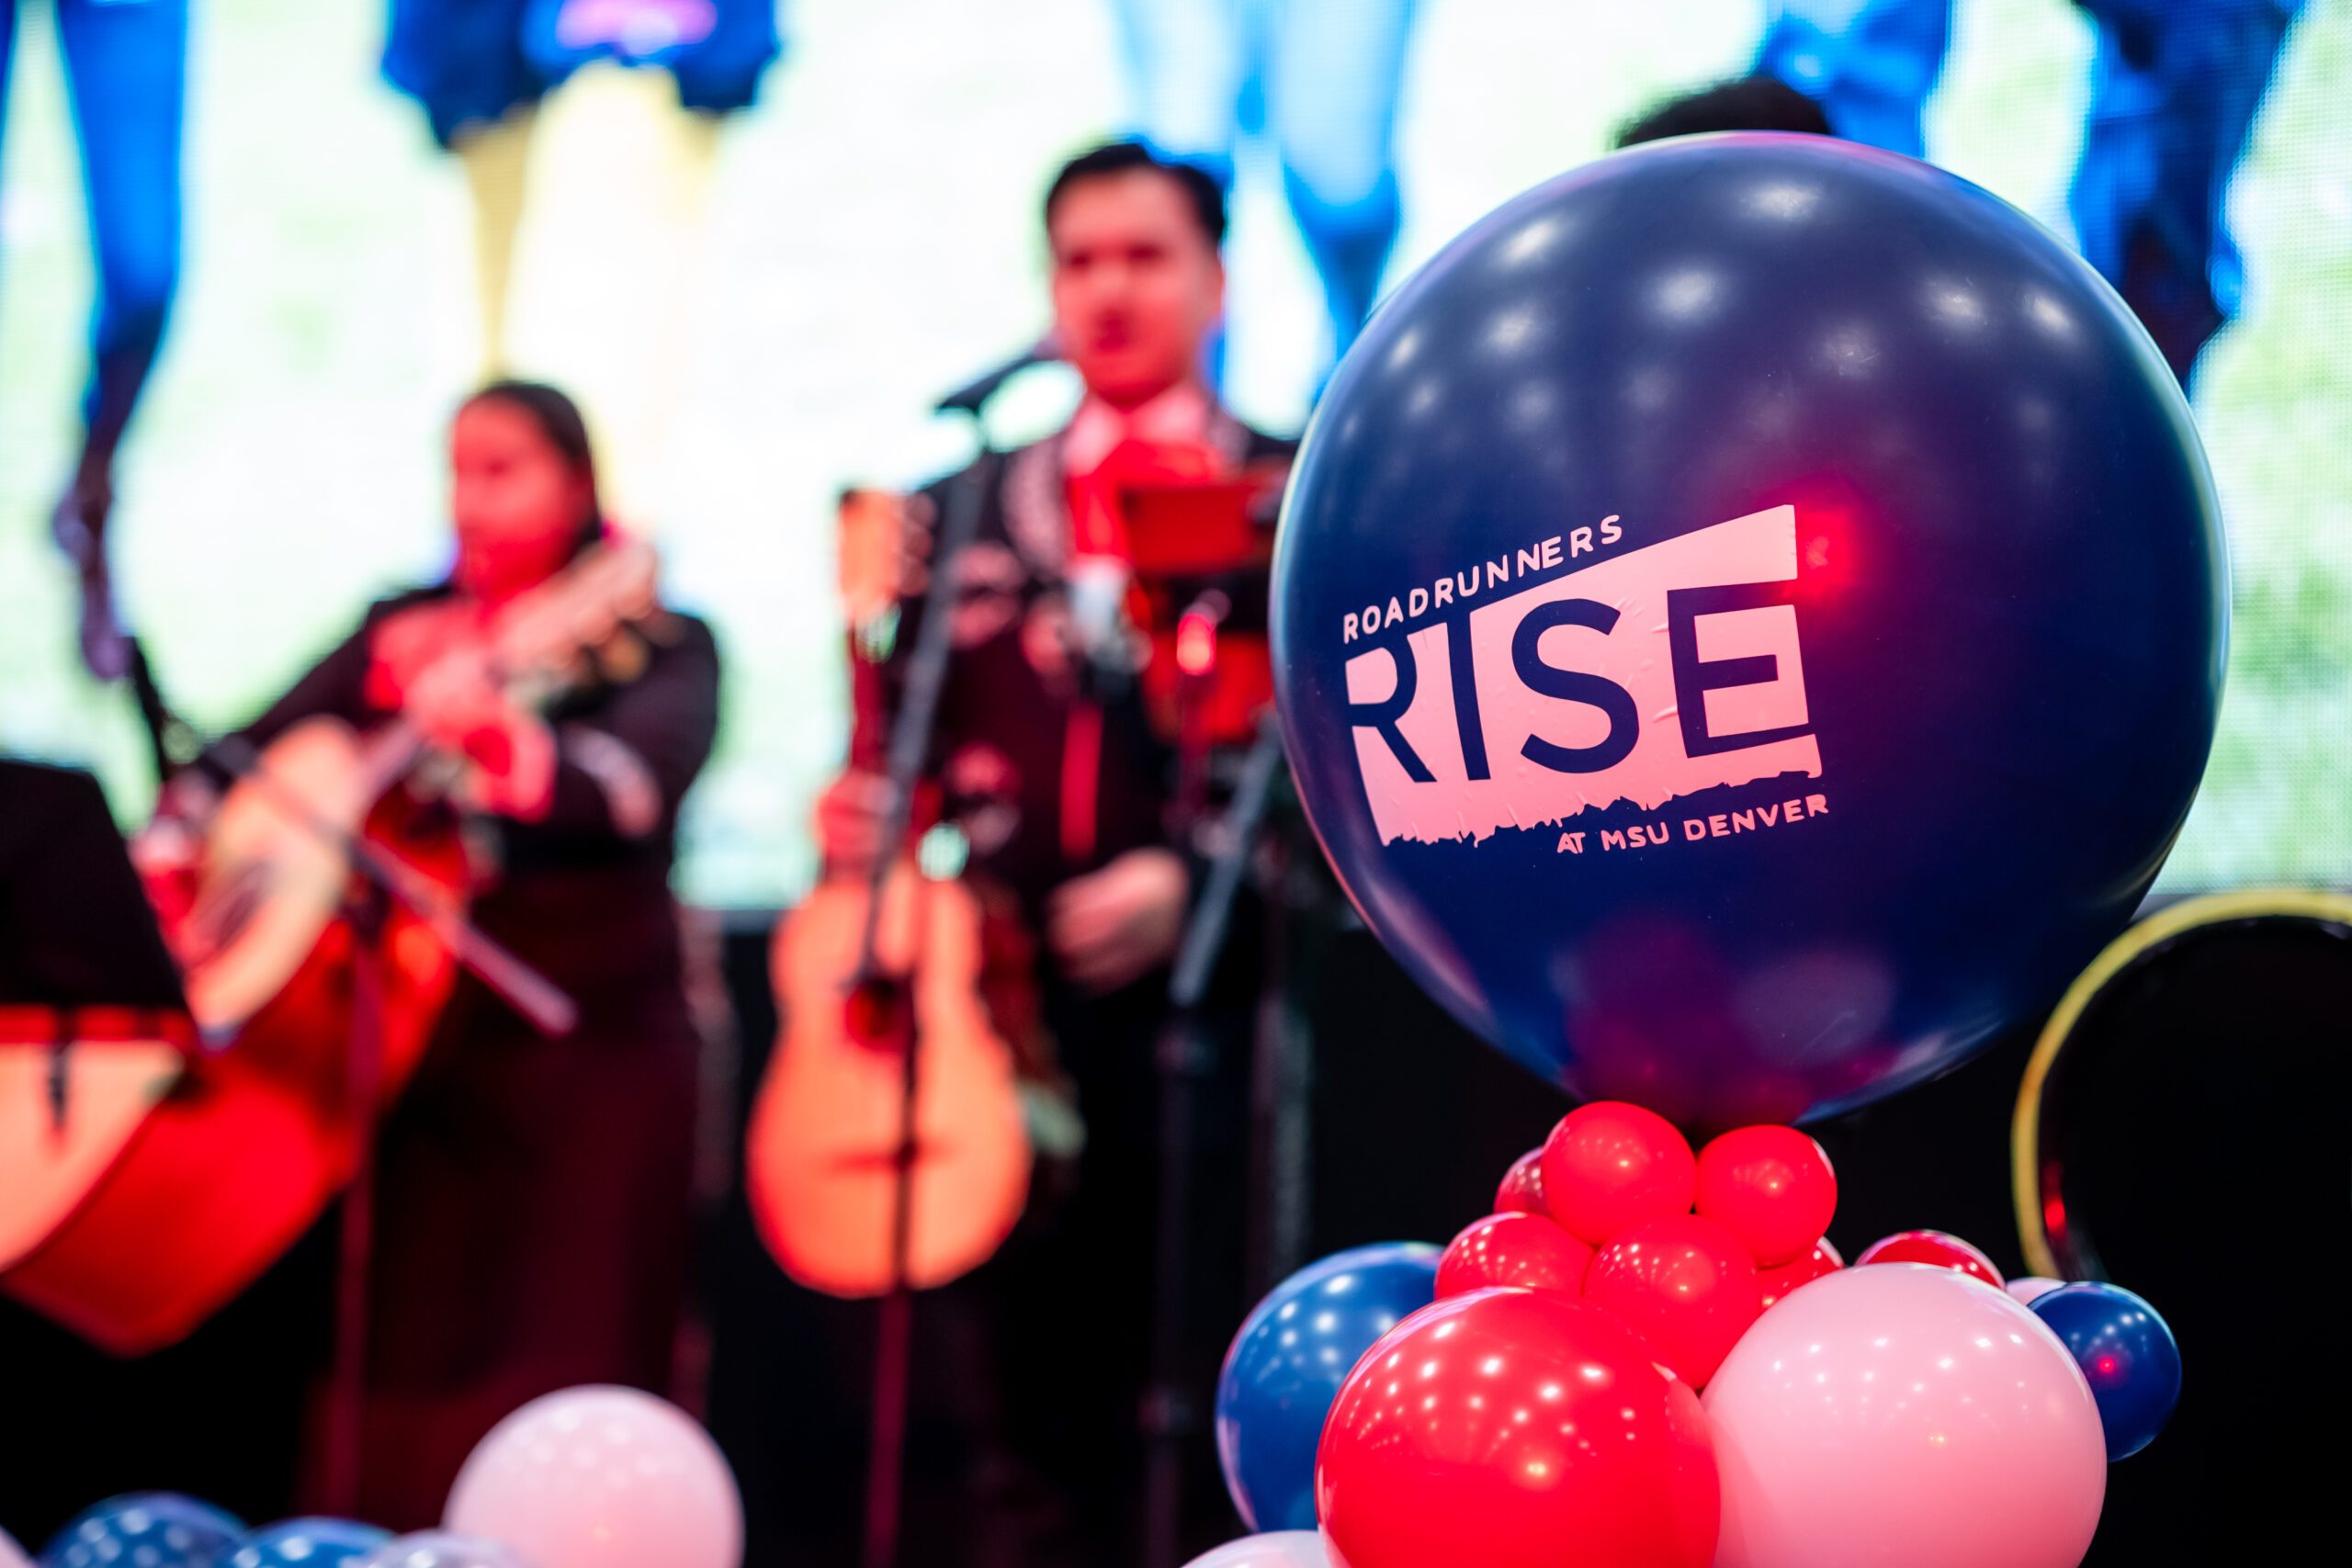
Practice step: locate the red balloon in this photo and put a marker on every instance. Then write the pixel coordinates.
(1778, 1282)
(1684, 1285)
(1522, 1188)
(1528, 1250)
(1609, 1166)
(1932, 1247)
(1515, 1430)
(1771, 1187)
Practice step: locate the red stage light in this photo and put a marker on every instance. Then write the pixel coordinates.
(1196, 643)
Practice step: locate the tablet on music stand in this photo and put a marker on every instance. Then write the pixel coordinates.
(1202, 553)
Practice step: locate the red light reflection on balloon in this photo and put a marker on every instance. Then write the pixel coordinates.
(1829, 520)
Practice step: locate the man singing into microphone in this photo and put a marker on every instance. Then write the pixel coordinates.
(1063, 792)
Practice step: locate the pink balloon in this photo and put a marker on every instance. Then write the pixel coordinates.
(1905, 1413)
(1278, 1548)
(11, 1554)
(601, 1478)
(2025, 1287)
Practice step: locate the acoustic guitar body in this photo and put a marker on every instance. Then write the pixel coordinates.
(820, 1162)
(178, 1179)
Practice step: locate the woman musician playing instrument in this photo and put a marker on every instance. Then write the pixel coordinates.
(531, 1197)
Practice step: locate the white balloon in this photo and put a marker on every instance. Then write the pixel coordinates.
(601, 1477)
(438, 1549)
(2025, 1287)
(11, 1554)
(1278, 1548)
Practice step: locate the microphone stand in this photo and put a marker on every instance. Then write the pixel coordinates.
(883, 995)
(1182, 1057)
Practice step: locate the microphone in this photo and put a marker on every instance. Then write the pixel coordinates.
(970, 397)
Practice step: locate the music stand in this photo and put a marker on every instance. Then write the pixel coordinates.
(75, 928)
(1202, 554)
(81, 960)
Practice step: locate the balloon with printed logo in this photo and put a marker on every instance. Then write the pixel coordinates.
(304, 1543)
(1748, 621)
(1292, 1351)
(2128, 1356)
(1516, 1430)
(164, 1528)
(601, 1477)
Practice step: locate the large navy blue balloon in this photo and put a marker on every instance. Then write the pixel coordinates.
(1285, 1367)
(304, 1543)
(160, 1529)
(2128, 1355)
(1749, 619)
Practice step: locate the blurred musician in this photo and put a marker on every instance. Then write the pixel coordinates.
(531, 1223)
(1065, 806)
(1063, 792)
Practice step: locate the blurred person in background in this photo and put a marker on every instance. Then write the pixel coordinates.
(1871, 64)
(2175, 86)
(532, 1194)
(126, 68)
(1745, 103)
(1064, 798)
(591, 127)
(1320, 80)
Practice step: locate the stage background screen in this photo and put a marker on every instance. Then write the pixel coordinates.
(757, 327)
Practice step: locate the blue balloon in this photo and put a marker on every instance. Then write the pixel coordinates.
(1285, 1367)
(2128, 1355)
(1749, 623)
(305, 1543)
(170, 1530)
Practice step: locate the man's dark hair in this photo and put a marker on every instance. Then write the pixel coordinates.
(1201, 194)
(1745, 103)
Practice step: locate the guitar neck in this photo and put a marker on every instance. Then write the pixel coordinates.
(389, 753)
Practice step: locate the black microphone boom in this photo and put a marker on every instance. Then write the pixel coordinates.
(972, 396)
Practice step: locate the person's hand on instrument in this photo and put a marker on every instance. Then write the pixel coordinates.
(457, 706)
(1116, 925)
(850, 821)
(168, 854)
